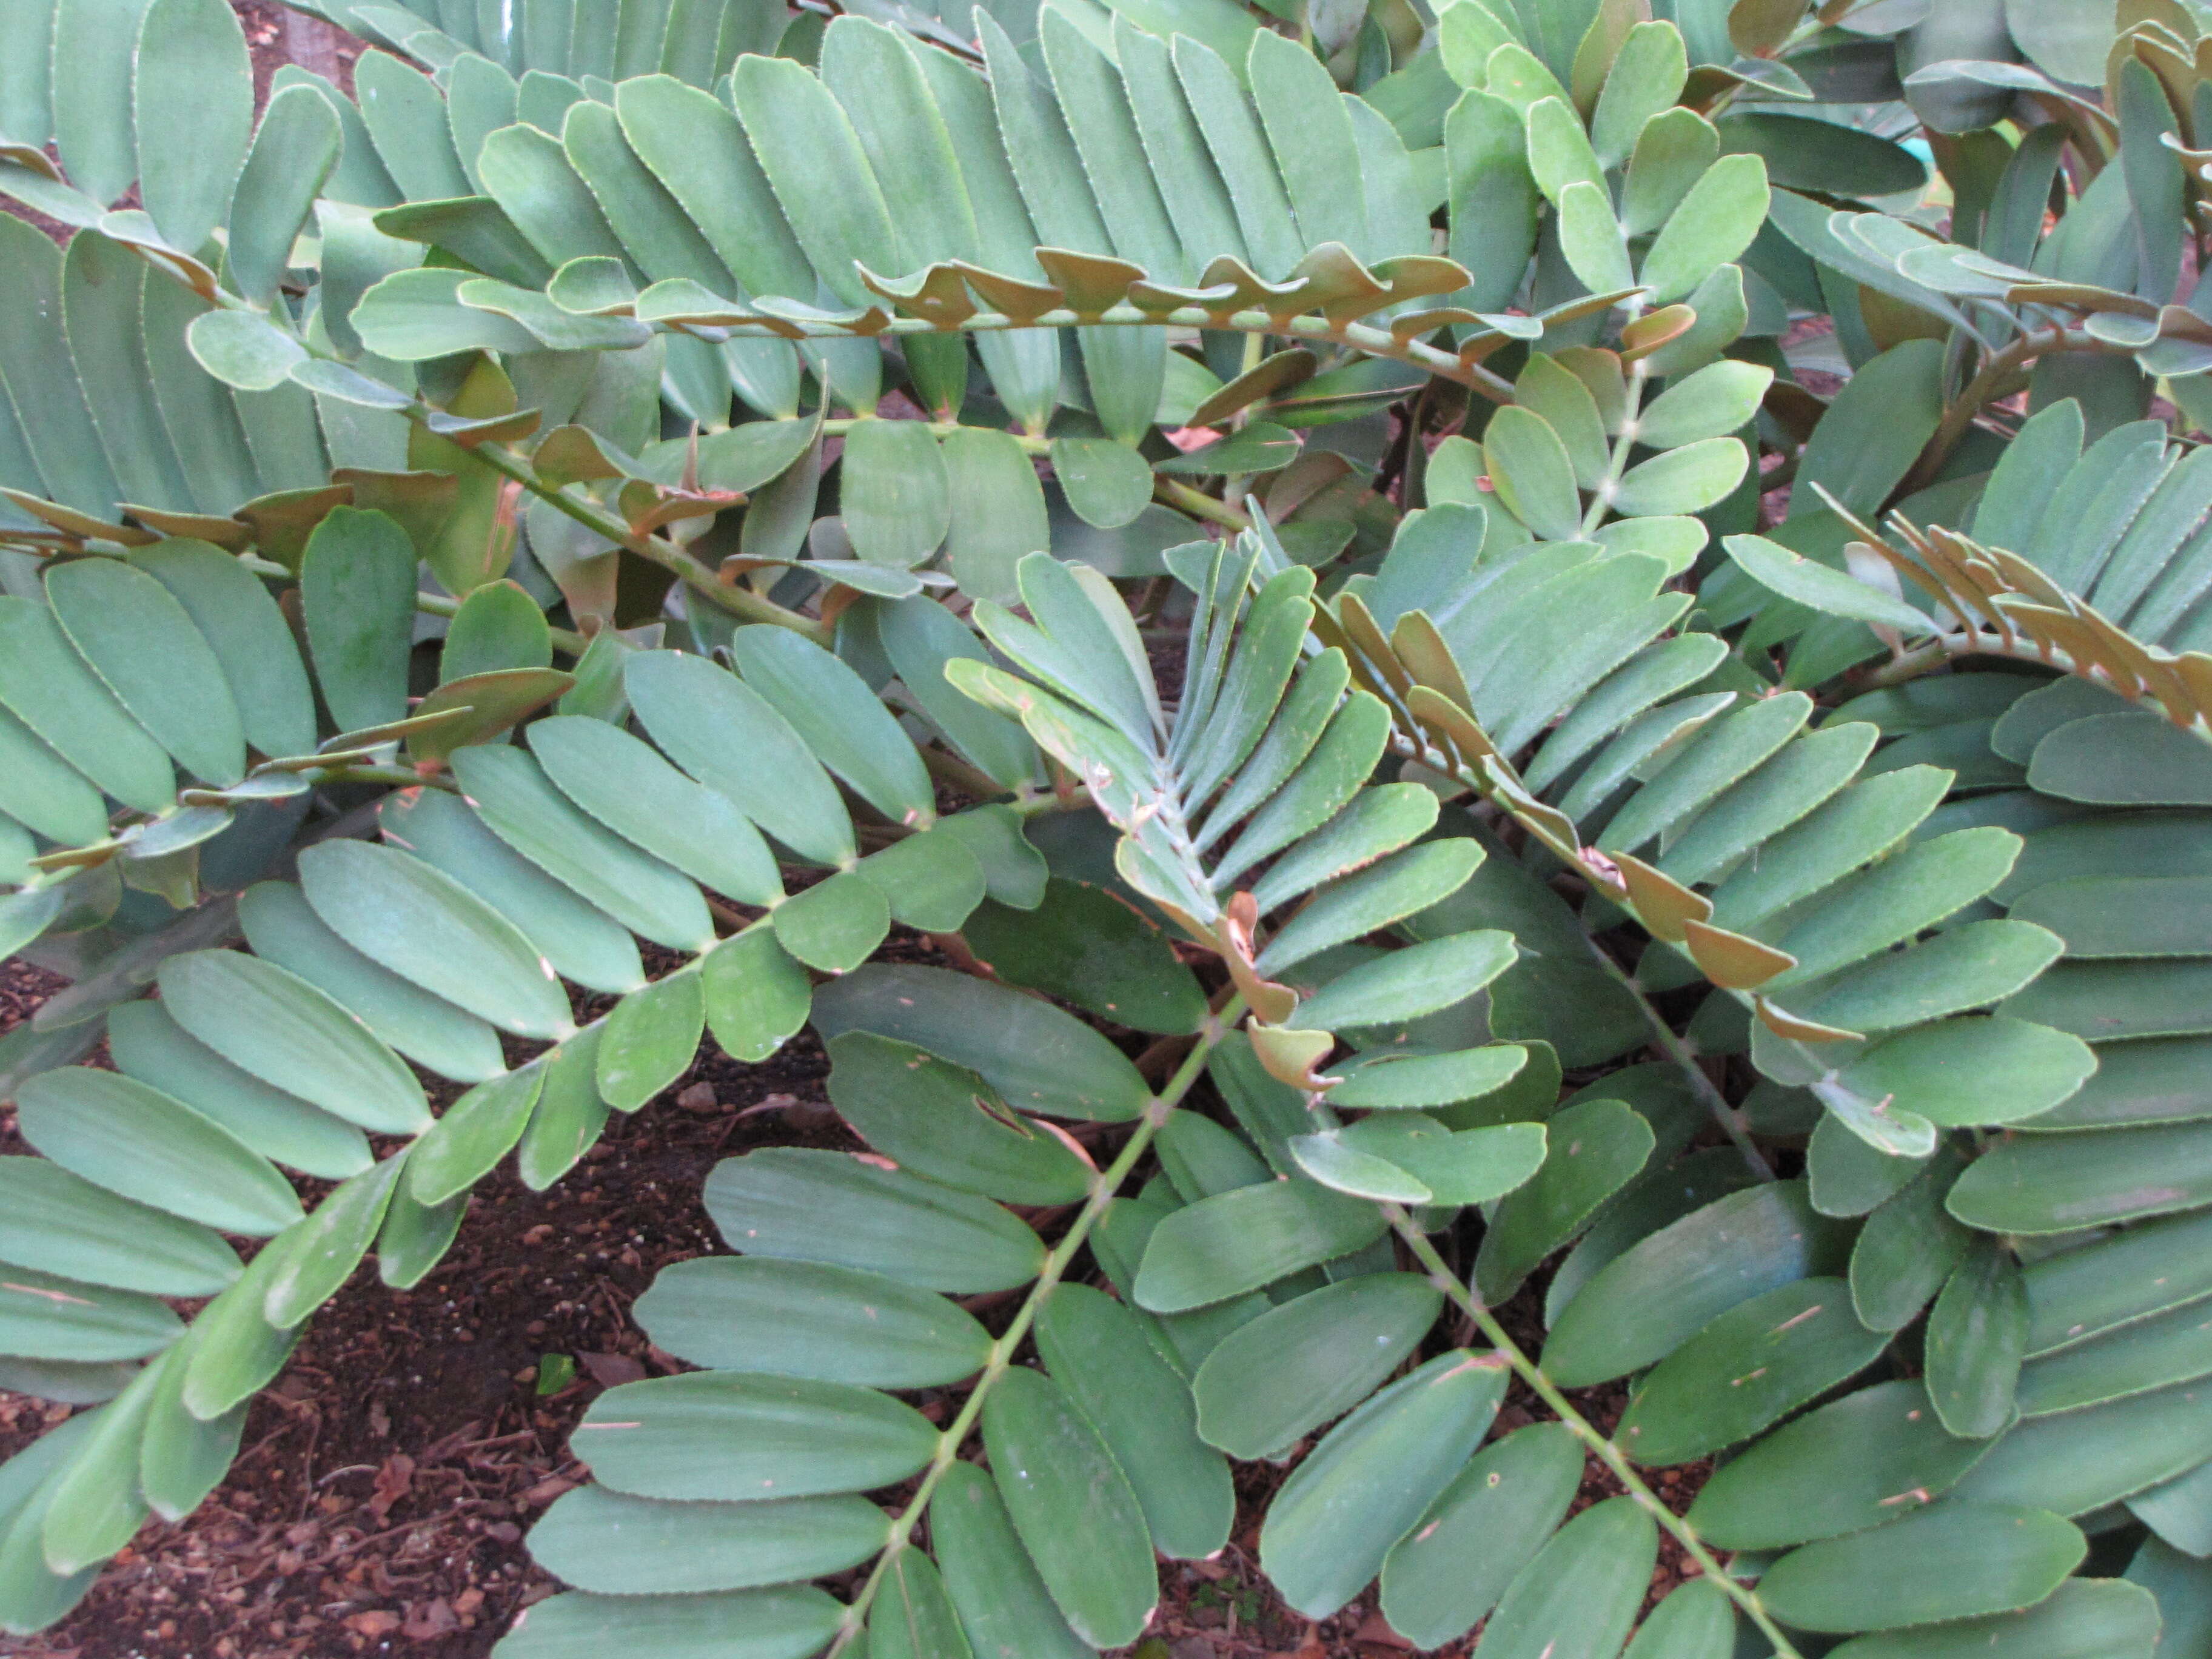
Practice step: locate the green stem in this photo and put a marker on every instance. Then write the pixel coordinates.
(1912, 665)
(1056, 1264)
(1256, 352)
(948, 767)
(1959, 414)
(1417, 747)
(1440, 1275)
(1038, 803)
(1198, 504)
(1945, 649)
(1363, 337)
(738, 600)
(402, 777)
(1639, 374)
(1730, 1120)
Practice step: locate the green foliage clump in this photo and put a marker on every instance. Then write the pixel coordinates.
(1508, 645)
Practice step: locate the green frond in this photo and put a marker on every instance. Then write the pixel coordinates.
(459, 924)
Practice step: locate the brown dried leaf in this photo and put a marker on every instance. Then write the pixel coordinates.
(393, 1481)
(1375, 1629)
(429, 1620)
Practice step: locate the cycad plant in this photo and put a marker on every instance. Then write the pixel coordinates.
(1536, 666)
